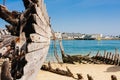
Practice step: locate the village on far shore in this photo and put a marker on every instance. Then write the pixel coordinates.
(74, 36)
(80, 36)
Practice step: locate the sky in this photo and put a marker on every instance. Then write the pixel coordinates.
(83, 16)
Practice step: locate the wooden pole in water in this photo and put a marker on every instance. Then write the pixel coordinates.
(55, 47)
(110, 55)
(105, 53)
(112, 59)
(116, 51)
(61, 48)
(117, 59)
(98, 53)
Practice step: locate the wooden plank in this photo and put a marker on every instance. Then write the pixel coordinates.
(42, 32)
(41, 16)
(36, 46)
(7, 41)
(2, 32)
(38, 39)
(39, 30)
(48, 29)
(44, 13)
(36, 60)
(39, 22)
(41, 26)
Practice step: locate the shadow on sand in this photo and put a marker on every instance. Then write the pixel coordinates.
(113, 69)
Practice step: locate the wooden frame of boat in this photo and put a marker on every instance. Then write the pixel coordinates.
(31, 33)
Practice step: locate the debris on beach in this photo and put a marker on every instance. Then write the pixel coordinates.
(57, 70)
(89, 77)
(75, 75)
(113, 77)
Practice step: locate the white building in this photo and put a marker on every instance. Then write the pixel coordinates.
(58, 35)
(97, 36)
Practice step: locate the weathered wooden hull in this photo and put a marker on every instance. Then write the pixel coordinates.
(36, 50)
(34, 63)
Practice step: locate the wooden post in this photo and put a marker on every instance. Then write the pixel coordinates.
(113, 77)
(79, 76)
(117, 59)
(105, 53)
(110, 55)
(69, 72)
(112, 62)
(5, 72)
(109, 58)
(89, 77)
(98, 53)
(61, 48)
(49, 66)
(116, 51)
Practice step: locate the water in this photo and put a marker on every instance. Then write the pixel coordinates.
(83, 47)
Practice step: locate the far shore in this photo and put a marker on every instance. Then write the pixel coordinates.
(94, 39)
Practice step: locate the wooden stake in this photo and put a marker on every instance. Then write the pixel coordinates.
(89, 77)
(113, 77)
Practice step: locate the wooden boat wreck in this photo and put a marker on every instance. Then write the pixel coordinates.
(28, 44)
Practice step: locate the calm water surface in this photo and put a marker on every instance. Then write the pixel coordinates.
(85, 46)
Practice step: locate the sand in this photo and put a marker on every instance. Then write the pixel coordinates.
(97, 71)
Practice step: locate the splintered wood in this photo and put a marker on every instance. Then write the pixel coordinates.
(28, 44)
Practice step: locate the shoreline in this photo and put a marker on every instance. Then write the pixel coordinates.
(91, 39)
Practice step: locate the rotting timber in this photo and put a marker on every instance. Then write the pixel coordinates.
(28, 44)
(106, 58)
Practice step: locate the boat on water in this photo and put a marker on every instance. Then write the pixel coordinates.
(85, 38)
(30, 31)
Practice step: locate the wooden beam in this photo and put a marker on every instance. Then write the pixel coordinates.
(10, 17)
(5, 72)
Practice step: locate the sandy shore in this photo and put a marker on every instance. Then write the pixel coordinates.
(98, 72)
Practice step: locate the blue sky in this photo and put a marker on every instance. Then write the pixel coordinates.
(84, 16)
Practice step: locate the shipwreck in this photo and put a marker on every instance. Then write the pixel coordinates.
(28, 44)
